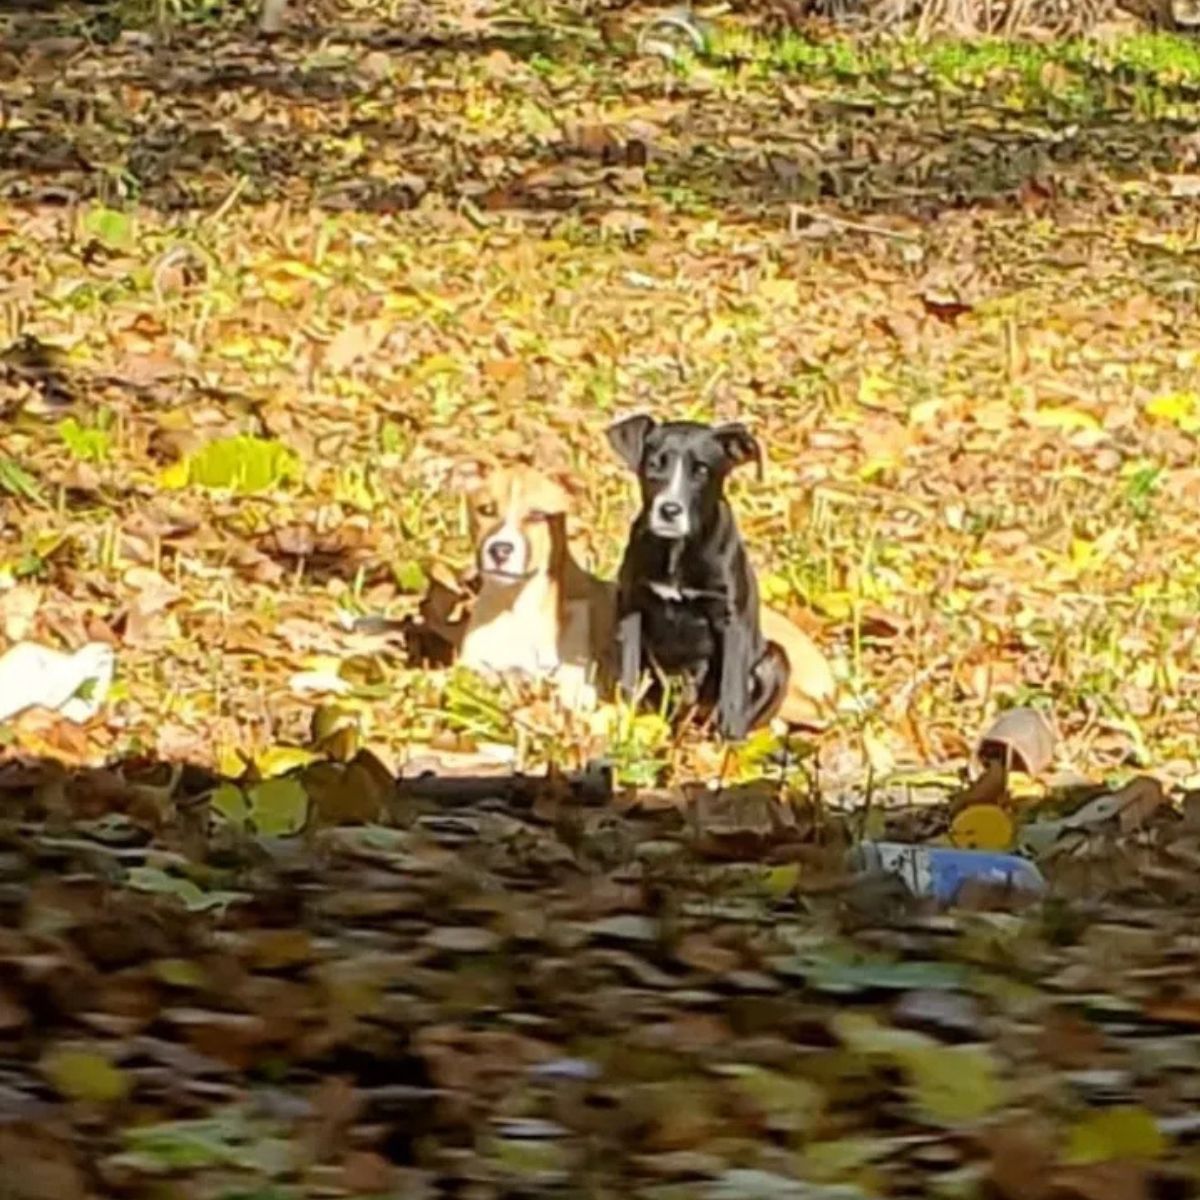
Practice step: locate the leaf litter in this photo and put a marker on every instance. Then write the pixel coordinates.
(262, 297)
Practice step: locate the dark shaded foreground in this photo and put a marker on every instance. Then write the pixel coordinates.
(561, 999)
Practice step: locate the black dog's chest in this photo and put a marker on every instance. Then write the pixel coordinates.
(681, 627)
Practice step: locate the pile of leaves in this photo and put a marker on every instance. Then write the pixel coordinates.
(542, 996)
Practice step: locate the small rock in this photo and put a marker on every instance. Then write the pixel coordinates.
(462, 939)
(565, 1068)
(626, 927)
(939, 1012)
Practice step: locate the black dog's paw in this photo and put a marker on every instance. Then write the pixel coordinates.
(732, 729)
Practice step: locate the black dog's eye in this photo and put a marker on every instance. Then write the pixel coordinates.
(659, 462)
(487, 510)
(701, 470)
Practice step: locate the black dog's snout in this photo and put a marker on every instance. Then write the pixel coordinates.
(500, 552)
(669, 510)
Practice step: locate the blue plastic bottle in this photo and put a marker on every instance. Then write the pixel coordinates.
(940, 871)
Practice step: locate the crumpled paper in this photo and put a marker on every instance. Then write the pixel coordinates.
(73, 685)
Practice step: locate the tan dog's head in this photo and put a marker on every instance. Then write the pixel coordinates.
(518, 524)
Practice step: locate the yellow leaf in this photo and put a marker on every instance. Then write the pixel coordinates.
(925, 410)
(438, 364)
(175, 476)
(779, 291)
(1062, 417)
(781, 881)
(300, 270)
(279, 760)
(865, 1034)
(179, 972)
(834, 1161)
(982, 827)
(1177, 407)
(1023, 787)
(951, 1085)
(85, 1075)
(872, 388)
(787, 1103)
(1123, 1132)
(239, 345)
(837, 605)
(229, 762)
(774, 588)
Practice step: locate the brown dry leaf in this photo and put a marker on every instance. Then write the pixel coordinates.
(364, 1173)
(40, 1166)
(1128, 806)
(355, 342)
(147, 620)
(1100, 1181)
(989, 788)
(1140, 798)
(1022, 1156)
(18, 609)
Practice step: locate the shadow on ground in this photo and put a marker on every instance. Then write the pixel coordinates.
(339, 117)
(382, 994)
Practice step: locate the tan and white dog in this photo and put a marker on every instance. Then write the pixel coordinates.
(538, 611)
(811, 694)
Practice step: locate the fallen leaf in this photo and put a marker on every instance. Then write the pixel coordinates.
(1115, 1133)
(85, 1075)
(354, 342)
(952, 1085)
(278, 807)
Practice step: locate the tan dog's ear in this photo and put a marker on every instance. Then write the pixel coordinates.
(628, 436)
(740, 445)
(571, 483)
(551, 496)
(467, 474)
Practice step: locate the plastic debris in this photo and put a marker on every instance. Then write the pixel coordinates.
(1022, 738)
(73, 685)
(941, 871)
(674, 33)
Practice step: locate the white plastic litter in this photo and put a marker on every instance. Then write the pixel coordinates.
(73, 685)
(669, 34)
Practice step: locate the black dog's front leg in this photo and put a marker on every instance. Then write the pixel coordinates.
(629, 638)
(733, 702)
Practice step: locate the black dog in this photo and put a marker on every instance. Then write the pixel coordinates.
(687, 598)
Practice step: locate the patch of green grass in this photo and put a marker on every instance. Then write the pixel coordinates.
(88, 443)
(16, 481)
(1071, 73)
(1169, 56)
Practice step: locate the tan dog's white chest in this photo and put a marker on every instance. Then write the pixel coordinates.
(511, 633)
(516, 636)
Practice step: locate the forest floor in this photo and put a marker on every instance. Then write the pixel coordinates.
(951, 287)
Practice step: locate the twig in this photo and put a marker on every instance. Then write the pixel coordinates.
(798, 210)
(222, 209)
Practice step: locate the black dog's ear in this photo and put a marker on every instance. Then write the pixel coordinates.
(628, 436)
(740, 445)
